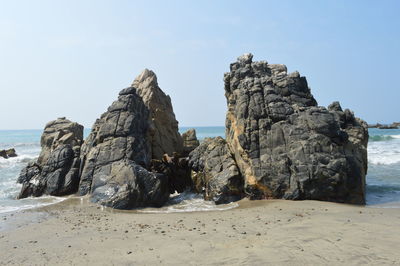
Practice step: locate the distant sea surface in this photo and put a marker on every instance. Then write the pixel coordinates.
(383, 179)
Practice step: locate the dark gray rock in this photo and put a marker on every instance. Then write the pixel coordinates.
(395, 124)
(127, 185)
(215, 172)
(8, 153)
(190, 141)
(377, 125)
(11, 153)
(392, 126)
(3, 154)
(56, 171)
(118, 134)
(119, 150)
(286, 146)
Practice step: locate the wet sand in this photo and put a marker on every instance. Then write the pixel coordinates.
(273, 232)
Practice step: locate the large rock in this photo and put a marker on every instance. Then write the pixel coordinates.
(190, 141)
(163, 131)
(123, 184)
(3, 154)
(11, 153)
(286, 146)
(215, 172)
(8, 153)
(56, 171)
(118, 151)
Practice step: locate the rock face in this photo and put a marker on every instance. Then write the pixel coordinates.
(116, 154)
(11, 153)
(286, 146)
(394, 125)
(56, 171)
(8, 153)
(137, 129)
(279, 144)
(163, 130)
(114, 164)
(215, 172)
(190, 141)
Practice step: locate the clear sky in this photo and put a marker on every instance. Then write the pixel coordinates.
(71, 58)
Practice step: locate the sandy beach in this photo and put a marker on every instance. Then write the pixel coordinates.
(269, 232)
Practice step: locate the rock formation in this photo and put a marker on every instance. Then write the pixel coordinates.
(286, 146)
(116, 154)
(56, 171)
(163, 130)
(190, 141)
(137, 129)
(215, 172)
(394, 125)
(279, 144)
(9, 153)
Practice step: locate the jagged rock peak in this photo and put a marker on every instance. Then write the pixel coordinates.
(119, 155)
(245, 58)
(164, 132)
(147, 77)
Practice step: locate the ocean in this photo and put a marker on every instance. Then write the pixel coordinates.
(383, 179)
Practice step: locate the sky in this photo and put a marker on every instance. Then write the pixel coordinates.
(71, 58)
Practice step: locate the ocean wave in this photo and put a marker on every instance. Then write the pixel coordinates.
(189, 202)
(384, 159)
(384, 152)
(381, 188)
(15, 161)
(29, 144)
(9, 189)
(383, 137)
(19, 145)
(380, 138)
(30, 203)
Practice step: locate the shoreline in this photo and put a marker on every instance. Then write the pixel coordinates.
(76, 231)
(14, 219)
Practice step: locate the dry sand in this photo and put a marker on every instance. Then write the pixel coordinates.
(276, 232)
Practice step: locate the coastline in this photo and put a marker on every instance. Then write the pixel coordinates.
(75, 231)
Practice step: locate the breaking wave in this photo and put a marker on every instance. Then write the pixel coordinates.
(189, 202)
(15, 161)
(383, 137)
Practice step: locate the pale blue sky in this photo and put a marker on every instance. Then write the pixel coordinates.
(71, 58)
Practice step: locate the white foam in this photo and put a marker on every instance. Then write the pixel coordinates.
(189, 202)
(13, 161)
(384, 159)
(31, 203)
(9, 189)
(384, 152)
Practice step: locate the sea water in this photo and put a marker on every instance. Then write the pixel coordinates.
(383, 179)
